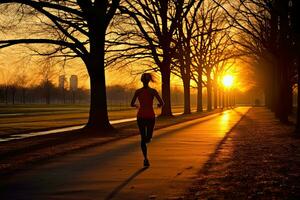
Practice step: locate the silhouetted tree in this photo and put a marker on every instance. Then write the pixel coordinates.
(70, 29)
(157, 22)
(211, 45)
(183, 55)
(295, 22)
(266, 33)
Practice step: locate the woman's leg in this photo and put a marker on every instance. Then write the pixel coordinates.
(142, 128)
(149, 128)
(144, 149)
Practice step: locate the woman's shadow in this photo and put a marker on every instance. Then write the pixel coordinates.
(122, 185)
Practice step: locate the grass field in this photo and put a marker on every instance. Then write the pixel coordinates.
(25, 118)
(42, 108)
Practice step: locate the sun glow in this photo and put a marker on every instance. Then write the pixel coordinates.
(227, 80)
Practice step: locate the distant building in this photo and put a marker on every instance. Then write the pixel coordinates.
(61, 81)
(73, 83)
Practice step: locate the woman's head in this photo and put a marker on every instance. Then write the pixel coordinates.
(146, 78)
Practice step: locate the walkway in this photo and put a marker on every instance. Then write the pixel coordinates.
(114, 171)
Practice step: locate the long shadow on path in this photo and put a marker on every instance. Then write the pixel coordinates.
(126, 182)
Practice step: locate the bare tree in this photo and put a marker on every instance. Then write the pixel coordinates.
(183, 55)
(296, 35)
(219, 71)
(156, 23)
(47, 73)
(266, 30)
(210, 45)
(68, 30)
(7, 80)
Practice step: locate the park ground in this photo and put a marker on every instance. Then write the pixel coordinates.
(237, 154)
(16, 119)
(258, 159)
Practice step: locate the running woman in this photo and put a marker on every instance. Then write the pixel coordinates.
(146, 115)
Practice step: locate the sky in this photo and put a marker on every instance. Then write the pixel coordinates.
(15, 62)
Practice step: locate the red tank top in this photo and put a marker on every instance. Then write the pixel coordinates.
(145, 97)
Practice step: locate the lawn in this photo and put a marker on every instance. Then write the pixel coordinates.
(26, 118)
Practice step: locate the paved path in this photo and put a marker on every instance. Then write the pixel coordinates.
(114, 170)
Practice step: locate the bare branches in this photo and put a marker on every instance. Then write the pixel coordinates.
(60, 5)
(63, 25)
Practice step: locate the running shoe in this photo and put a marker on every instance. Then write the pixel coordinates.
(146, 163)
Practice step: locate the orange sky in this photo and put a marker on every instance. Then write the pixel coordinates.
(11, 66)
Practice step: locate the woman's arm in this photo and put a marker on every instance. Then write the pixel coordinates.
(132, 104)
(161, 102)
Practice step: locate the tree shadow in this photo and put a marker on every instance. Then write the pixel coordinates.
(126, 182)
(206, 167)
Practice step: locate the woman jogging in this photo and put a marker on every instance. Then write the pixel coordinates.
(146, 115)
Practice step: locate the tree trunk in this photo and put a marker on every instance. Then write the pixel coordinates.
(13, 93)
(223, 98)
(298, 109)
(48, 95)
(290, 99)
(209, 93)
(64, 95)
(6, 95)
(23, 95)
(276, 89)
(187, 95)
(166, 93)
(98, 118)
(199, 92)
(296, 29)
(215, 96)
(273, 87)
(283, 107)
(283, 89)
(267, 97)
(284, 62)
(220, 97)
(298, 98)
(268, 89)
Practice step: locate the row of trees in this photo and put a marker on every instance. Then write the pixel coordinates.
(192, 39)
(49, 93)
(270, 34)
(45, 92)
(118, 96)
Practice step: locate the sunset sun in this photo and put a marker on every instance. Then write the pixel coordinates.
(227, 80)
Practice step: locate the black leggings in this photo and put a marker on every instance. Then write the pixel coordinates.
(146, 127)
